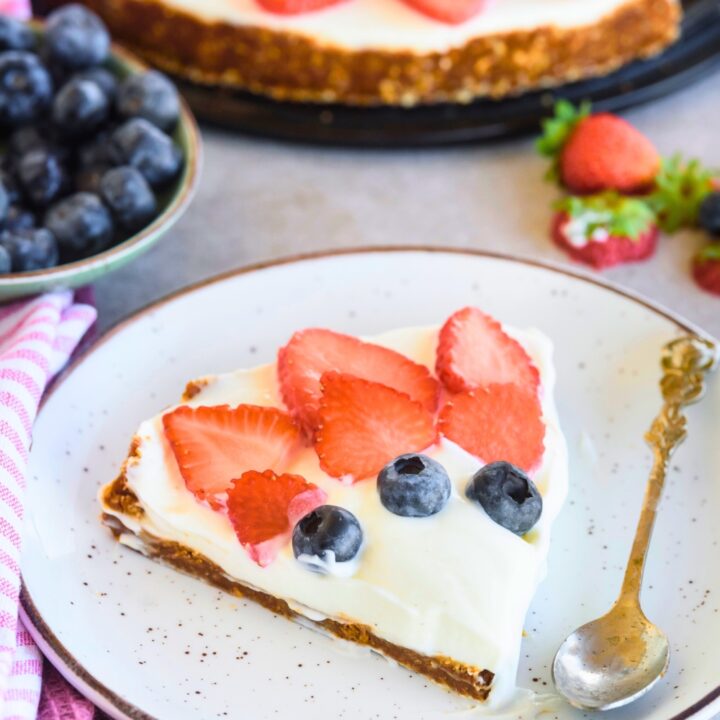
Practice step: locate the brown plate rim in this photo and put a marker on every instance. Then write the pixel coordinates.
(30, 615)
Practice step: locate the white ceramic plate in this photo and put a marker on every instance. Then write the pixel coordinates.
(144, 641)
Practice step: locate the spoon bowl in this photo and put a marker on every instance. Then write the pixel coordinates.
(611, 661)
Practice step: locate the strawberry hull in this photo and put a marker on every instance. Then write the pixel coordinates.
(608, 253)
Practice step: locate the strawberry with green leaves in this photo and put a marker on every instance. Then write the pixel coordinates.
(605, 229)
(594, 153)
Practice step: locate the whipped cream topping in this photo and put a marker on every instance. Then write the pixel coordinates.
(454, 584)
(392, 25)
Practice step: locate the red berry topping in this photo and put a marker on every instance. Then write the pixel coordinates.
(592, 153)
(215, 445)
(706, 271)
(473, 350)
(310, 353)
(612, 249)
(605, 152)
(296, 7)
(263, 508)
(364, 425)
(497, 422)
(452, 12)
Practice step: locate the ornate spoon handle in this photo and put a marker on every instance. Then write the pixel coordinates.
(685, 363)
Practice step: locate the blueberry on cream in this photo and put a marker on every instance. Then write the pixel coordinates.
(327, 537)
(507, 495)
(413, 486)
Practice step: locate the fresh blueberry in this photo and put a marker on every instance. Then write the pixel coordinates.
(18, 218)
(4, 203)
(25, 139)
(152, 96)
(15, 35)
(95, 152)
(80, 223)
(103, 78)
(25, 88)
(143, 146)
(507, 495)
(10, 184)
(327, 529)
(76, 38)
(130, 199)
(79, 108)
(5, 261)
(42, 177)
(709, 213)
(32, 249)
(413, 486)
(88, 179)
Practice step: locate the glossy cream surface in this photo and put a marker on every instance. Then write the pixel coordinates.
(455, 584)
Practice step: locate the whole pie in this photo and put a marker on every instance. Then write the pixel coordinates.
(397, 52)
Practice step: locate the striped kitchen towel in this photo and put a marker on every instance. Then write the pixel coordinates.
(17, 8)
(37, 338)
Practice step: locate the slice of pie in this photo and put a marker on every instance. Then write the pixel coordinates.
(397, 492)
(396, 52)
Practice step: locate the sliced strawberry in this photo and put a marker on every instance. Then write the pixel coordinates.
(364, 425)
(296, 7)
(453, 12)
(312, 352)
(214, 445)
(497, 422)
(474, 350)
(263, 508)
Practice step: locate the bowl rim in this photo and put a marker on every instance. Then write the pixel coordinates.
(187, 184)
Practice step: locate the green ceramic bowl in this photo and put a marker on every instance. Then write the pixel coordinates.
(172, 203)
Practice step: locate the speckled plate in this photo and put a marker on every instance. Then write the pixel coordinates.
(145, 642)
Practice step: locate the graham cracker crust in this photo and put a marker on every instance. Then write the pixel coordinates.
(460, 678)
(287, 66)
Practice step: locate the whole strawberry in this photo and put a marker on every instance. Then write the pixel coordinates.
(605, 230)
(594, 153)
(706, 269)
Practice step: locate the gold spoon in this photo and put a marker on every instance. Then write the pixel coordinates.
(615, 659)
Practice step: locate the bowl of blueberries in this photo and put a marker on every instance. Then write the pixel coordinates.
(99, 156)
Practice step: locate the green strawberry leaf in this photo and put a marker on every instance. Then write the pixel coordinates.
(680, 187)
(709, 252)
(557, 129)
(611, 212)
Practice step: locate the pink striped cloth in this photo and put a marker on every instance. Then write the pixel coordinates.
(17, 8)
(36, 339)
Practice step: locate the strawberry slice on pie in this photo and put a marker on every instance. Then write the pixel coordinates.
(474, 350)
(452, 12)
(296, 7)
(497, 422)
(310, 353)
(364, 425)
(263, 508)
(215, 445)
